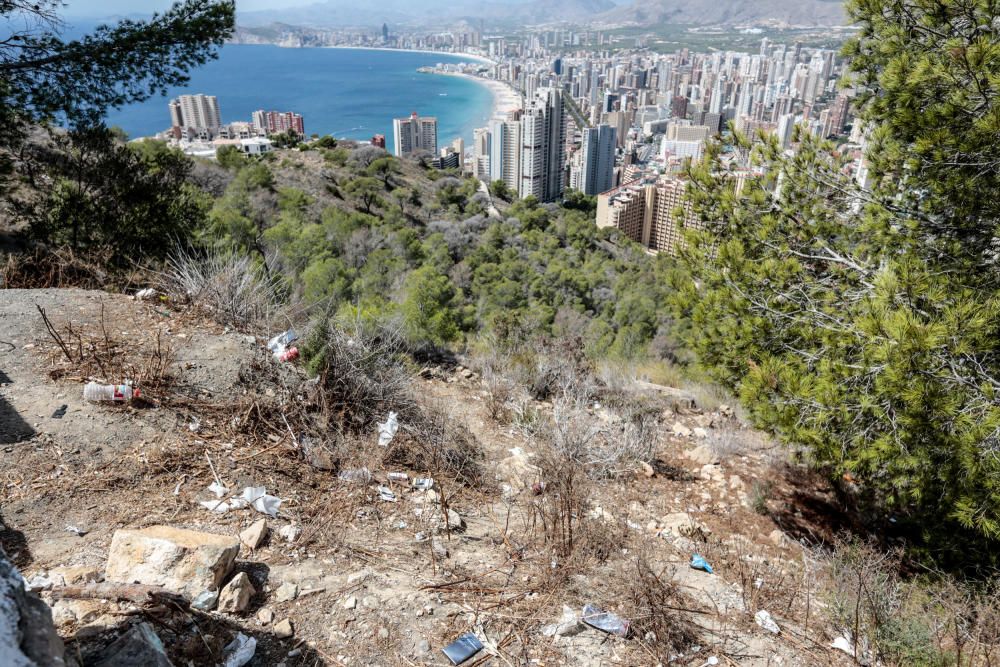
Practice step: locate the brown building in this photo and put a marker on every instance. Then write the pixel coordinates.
(653, 214)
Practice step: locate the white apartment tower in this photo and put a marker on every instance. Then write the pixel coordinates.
(200, 112)
(505, 152)
(416, 133)
(543, 146)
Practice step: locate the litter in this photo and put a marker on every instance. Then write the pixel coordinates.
(78, 531)
(387, 430)
(280, 343)
(699, 563)
(386, 494)
(144, 294)
(423, 483)
(60, 411)
(253, 496)
(240, 651)
(462, 648)
(765, 621)
(355, 475)
(290, 532)
(567, 626)
(119, 393)
(218, 489)
(398, 477)
(291, 354)
(605, 621)
(711, 662)
(843, 644)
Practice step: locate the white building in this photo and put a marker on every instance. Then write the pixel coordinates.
(543, 146)
(198, 112)
(416, 133)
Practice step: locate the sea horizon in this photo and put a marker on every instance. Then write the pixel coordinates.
(349, 93)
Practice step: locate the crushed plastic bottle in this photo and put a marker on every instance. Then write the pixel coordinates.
(118, 393)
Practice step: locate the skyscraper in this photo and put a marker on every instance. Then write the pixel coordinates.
(505, 151)
(416, 133)
(543, 146)
(199, 112)
(598, 164)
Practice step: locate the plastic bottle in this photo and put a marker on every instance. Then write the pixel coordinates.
(93, 391)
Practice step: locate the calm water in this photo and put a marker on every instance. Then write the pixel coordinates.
(348, 93)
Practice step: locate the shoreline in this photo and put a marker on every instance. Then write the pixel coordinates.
(460, 54)
(505, 98)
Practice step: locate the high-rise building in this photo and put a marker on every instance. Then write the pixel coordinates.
(481, 141)
(198, 112)
(505, 151)
(276, 122)
(647, 213)
(543, 146)
(416, 133)
(598, 159)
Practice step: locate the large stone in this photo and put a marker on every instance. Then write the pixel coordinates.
(235, 595)
(283, 629)
(183, 561)
(702, 454)
(27, 635)
(139, 646)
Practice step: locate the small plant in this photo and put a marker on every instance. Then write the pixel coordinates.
(760, 494)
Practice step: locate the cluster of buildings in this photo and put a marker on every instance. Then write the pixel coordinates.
(196, 126)
(623, 125)
(417, 135)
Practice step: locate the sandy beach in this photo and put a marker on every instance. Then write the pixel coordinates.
(505, 98)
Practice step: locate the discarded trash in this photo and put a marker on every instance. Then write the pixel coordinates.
(699, 563)
(462, 648)
(765, 621)
(206, 600)
(280, 343)
(263, 503)
(711, 662)
(194, 425)
(219, 490)
(423, 483)
(291, 354)
(843, 644)
(239, 651)
(60, 411)
(398, 477)
(387, 430)
(93, 391)
(605, 621)
(567, 626)
(78, 531)
(39, 582)
(144, 294)
(538, 488)
(386, 494)
(355, 475)
(253, 496)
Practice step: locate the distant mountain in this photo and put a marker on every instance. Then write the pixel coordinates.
(651, 13)
(340, 13)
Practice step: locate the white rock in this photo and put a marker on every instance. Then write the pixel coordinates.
(351, 603)
(182, 561)
(765, 621)
(283, 629)
(681, 430)
(699, 432)
(235, 595)
(286, 592)
(290, 532)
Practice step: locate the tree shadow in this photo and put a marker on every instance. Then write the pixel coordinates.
(187, 637)
(13, 428)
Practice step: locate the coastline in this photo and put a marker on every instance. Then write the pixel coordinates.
(461, 54)
(505, 98)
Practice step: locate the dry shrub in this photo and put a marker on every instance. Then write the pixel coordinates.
(59, 267)
(101, 353)
(659, 613)
(435, 442)
(932, 620)
(231, 288)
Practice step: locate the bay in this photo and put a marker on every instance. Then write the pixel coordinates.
(348, 93)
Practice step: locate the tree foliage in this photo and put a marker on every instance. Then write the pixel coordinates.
(865, 323)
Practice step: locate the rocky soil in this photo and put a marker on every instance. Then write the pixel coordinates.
(108, 513)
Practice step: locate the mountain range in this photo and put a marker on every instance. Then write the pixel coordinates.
(605, 13)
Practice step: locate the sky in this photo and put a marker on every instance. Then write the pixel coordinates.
(102, 8)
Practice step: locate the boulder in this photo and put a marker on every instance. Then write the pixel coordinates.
(27, 635)
(186, 562)
(702, 455)
(286, 592)
(139, 646)
(681, 430)
(283, 629)
(235, 595)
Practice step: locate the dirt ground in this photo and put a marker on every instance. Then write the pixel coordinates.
(386, 583)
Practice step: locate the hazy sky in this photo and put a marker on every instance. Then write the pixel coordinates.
(100, 8)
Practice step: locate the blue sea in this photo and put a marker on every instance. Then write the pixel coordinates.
(349, 93)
